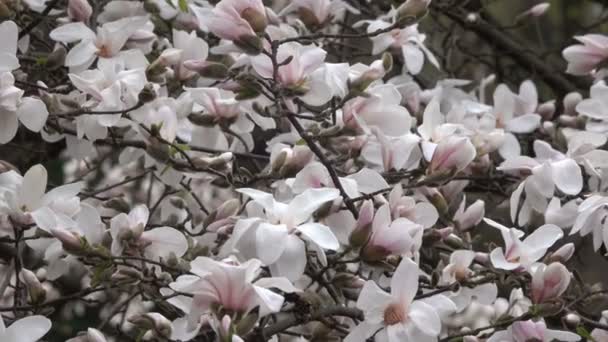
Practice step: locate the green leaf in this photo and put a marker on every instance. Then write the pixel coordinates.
(183, 5)
(301, 142)
(584, 333)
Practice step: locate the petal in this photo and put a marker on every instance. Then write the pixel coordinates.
(414, 58)
(8, 126)
(320, 234)
(81, 54)
(33, 187)
(72, 32)
(139, 215)
(8, 37)
(45, 219)
(404, 283)
(567, 176)
(498, 259)
(373, 300)
(544, 237)
(526, 123)
(163, 241)
(305, 204)
(28, 329)
(32, 113)
(318, 95)
(425, 318)
(270, 242)
(292, 262)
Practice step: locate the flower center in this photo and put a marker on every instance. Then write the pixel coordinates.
(394, 314)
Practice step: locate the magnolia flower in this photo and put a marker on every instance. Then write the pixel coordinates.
(25, 201)
(421, 212)
(519, 254)
(451, 156)
(226, 286)
(396, 317)
(79, 10)
(392, 153)
(523, 331)
(388, 237)
(469, 218)
(413, 8)
(112, 87)
(129, 231)
(315, 13)
(8, 46)
(584, 59)
(458, 267)
(106, 44)
(408, 40)
(238, 21)
(27, 329)
(92, 335)
(549, 282)
(549, 170)
(15, 108)
(380, 108)
(296, 75)
(193, 50)
(591, 218)
(595, 107)
(535, 11)
(272, 236)
(220, 107)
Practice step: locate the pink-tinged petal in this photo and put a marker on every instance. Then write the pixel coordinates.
(373, 301)
(425, 318)
(163, 241)
(72, 32)
(582, 60)
(404, 283)
(453, 154)
(499, 261)
(305, 204)
(32, 113)
(320, 234)
(567, 176)
(311, 58)
(33, 187)
(9, 125)
(526, 123)
(292, 262)
(270, 242)
(28, 329)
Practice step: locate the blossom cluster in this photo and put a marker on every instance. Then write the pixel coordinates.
(229, 173)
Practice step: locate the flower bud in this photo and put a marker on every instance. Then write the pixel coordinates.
(56, 59)
(256, 19)
(571, 101)
(451, 156)
(363, 228)
(147, 94)
(471, 216)
(572, 320)
(563, 254)
(72, 242)
(549, 282)
(34, 288)
(79, 10)
(207, 69)
(251, 45)
(412, 9)
(155, 321)
(546, 110)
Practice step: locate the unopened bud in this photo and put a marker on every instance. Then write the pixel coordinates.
(571, 101)
(256, 19)
(72, 242)
(412, 9)
(563, 254)
(35, 290)
(117, 203)
(56, 59)
(147, 94)
(79, 10)
(206, 120)
(207, 69)
(572, 320)
(546, 110)
(251, 45)
(363, 229)
(155, 321)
